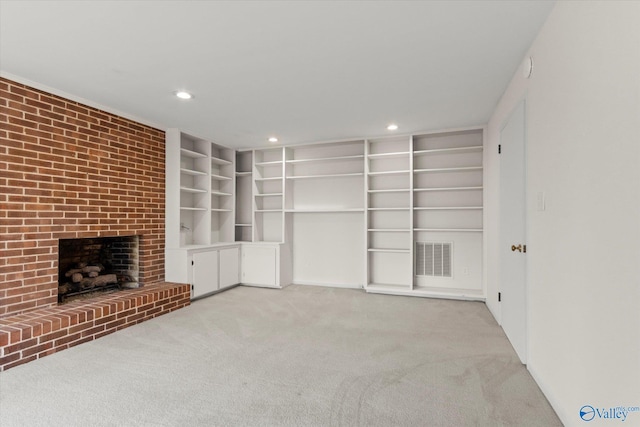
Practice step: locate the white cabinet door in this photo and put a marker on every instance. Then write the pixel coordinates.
(205, 273)
(259, 265)
(229, 267)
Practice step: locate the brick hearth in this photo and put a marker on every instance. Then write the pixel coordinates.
(26, 337)
(71, 171)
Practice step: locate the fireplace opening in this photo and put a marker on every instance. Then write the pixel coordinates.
(96, 265)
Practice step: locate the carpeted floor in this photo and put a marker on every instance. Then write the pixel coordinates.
(301, 356)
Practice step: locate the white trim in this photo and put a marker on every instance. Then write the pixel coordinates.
(549, 394)
(417, 292)
(331, 285)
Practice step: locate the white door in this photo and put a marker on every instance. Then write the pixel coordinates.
(229, 267)
(259, 265)
(513, 231)
(205, 273)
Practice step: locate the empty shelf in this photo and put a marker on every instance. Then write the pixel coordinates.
(191, 172)
(389, 155)
(220, 177)
(448, 189)
(447, 150)
(192, 190)
(460, 169)
(192, 154)
(323, 210)
(449, 208)
(219, 161)
(463, 230)
(391, 190)
(335, 175)
(326, 159)
(401, 172)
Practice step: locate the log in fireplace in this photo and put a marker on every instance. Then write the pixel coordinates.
(95, 265)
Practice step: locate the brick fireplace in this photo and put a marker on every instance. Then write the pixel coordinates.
(89, 266)
(69, 171)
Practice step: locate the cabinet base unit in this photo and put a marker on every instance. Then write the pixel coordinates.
(208, 269)
(266, 265)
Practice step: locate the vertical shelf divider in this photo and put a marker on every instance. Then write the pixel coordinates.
(411, 215)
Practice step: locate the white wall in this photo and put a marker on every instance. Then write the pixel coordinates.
(583, 149)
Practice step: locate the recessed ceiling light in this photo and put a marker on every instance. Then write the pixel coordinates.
(184, 95)
(392, 127)
(273, 139)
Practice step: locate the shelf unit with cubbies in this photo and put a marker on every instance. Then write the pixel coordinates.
(324, 209)
(268, 195)
(200, 191)
(324, 177)
(388, 233)
(244, 207)
(448, 211)
(222, 167)
(199, 216)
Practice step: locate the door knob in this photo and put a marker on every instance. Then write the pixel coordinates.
(519, 248)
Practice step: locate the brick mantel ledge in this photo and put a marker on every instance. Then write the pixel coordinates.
(39, 333)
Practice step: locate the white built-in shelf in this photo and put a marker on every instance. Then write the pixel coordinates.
(219, 177)
(389, 173)
(192, 190)
(272, 163)
(219, 161)
(243, 173)
(391, 190)
(460, 169)
(323, 210)
(449, 189)
(273, 178)
(269, 195)
(192, 154)
(469, 230)
(394, 251)
(268, 210)
(200, 182)
(389, 155)
(389, 230)
(448, 208)
(326, 159)
(335, 175)
(243, 225)
(476, 148)
(390, 209)
(191, 172)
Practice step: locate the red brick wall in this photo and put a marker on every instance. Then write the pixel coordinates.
(68, 171)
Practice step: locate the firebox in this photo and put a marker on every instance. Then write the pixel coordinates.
(95, 265)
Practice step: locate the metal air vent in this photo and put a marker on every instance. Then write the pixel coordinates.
(433, 259)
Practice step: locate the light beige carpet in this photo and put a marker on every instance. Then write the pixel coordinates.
(301, 356)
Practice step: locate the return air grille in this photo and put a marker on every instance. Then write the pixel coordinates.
(433, 259)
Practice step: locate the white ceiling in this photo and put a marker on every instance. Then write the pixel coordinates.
(302, 71)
